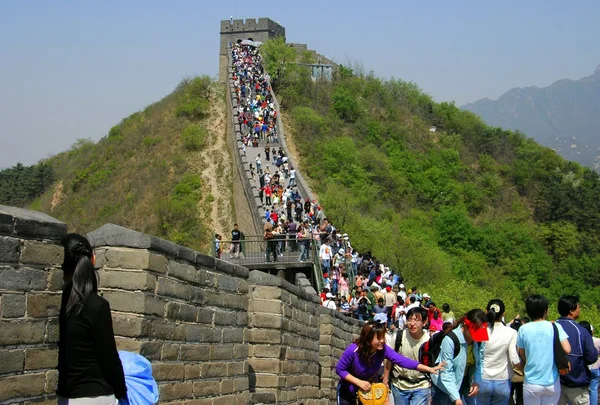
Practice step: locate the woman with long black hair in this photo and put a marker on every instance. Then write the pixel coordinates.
(360, 362)
(89, 368)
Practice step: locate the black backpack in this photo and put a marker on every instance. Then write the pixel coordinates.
(430, 350)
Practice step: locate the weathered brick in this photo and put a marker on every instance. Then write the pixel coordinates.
(167, 371)
(170, 392)
(38, 358)
(55, 280)
(192, 371)
(52, 331)
(22, 332)
(195, 352)
(169, 352)
(205, 315)
(210, 370)
(235, 301)
(24, 385)
(167, 331)
(151, 350)
(9, 249)
(174, 288)
(259, 350)
(242, 319)
(221, 352)
(51, 381)
(240, 384)
(13, 306)
(47, 254)
(225, 318)
(129, 345)
(265, 292)
(233, 335)
(130, 325)
(206, 388)
(183, 271)
(227, 283)
(127, 280)
(137, 302)
(22, 279)
(265, 306)
(224, 400)
(263, 336)
(267, 380)
(240, 351)
(43, 305)
(11, 361)
(207, 278)
(258, 320)
(236, 368)
(181, 312)
(135, 259)
(200, 333)
(226, 387)
(264, 365)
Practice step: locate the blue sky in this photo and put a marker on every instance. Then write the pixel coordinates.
(73, 69)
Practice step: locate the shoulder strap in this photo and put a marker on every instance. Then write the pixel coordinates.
(456, 343)
(399, 336)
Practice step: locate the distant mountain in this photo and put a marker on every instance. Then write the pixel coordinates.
(564, 116)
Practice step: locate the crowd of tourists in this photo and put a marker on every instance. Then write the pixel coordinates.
(421, 351)
(476, 359)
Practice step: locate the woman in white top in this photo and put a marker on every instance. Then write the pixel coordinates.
(500, 355)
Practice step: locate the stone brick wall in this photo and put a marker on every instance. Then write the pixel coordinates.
(336, 333)
(184, 311)
(30, 283)
(214, 332)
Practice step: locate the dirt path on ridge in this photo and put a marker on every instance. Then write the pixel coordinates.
(213, 163)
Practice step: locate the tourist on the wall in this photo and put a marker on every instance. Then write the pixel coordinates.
(89, 368)
(500, 356)
(446, 388)
(360, 362)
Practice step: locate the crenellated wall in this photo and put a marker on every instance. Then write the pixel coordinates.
(214, 332)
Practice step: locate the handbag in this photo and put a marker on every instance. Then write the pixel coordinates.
(377, 395)
(560, 358)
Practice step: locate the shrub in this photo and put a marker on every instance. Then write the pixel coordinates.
(193, 137)
(193, 109)
(150, 141)
(114, 132)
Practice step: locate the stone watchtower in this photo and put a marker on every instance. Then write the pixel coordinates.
(232, 30)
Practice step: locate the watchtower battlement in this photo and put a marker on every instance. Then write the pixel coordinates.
(261, 29)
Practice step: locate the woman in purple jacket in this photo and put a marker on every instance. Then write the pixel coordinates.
(361, 361)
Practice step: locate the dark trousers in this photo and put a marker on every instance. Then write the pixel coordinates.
(271, 250)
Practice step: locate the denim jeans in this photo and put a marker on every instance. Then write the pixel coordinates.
(493, 392)
(439, 397)
(411, 397)
(594, 386)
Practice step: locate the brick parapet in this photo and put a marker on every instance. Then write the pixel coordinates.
(30, 284)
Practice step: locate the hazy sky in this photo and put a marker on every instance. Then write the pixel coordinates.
(73, 69)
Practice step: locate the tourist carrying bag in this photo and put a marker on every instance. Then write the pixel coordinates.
(560, 358)
(377, 395)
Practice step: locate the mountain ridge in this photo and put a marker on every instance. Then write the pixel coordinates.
(564, 115)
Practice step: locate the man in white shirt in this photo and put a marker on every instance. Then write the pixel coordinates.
(329, 303)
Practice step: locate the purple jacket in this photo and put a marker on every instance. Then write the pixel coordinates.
(352, 362)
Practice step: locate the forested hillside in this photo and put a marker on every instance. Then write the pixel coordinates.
(467, 212)
(163, 171)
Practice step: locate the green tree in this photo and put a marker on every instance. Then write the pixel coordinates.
(279, 60)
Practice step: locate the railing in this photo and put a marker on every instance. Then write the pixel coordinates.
(282, 249)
